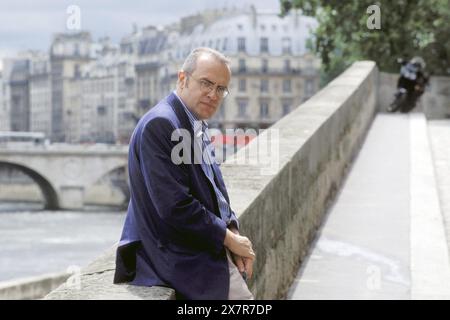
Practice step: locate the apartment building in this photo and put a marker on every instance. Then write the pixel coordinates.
(272, 70)
(68, 53)
(40, 94)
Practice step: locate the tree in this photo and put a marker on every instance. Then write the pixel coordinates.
(408, 28)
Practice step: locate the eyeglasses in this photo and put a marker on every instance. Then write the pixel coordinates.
(207, 86)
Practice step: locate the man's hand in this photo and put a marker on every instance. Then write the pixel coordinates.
(238, 244)
(243, 264)
(242, 247)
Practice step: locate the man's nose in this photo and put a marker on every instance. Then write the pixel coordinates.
(213, 94)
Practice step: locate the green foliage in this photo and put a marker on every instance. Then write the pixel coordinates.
(408, 28)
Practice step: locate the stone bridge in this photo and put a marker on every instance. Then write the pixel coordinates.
(64, 172)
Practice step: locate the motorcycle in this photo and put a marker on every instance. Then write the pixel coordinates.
(411, 85)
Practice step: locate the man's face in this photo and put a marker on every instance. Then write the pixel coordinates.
(192, 86)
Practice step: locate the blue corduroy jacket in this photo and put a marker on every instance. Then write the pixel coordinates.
(173, 234)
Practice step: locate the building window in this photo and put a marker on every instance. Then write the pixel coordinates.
(76, 50)
(264, 45)
(121, 103)
(287, 106)
(242, 67)
(242, 108)
(144, 104)
(287, 85)
(77, 72)
(287, 65)
(264, 85)
(264, 66)
(241, 44)
(286, 45)
(264, 109)
(309, 87)
(242, 85)
(101, 110)
(15, 102)
(224, 44)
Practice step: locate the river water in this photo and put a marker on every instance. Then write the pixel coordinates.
(35, 241)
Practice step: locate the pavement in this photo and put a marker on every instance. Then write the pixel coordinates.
(384, 237)
(439, 134)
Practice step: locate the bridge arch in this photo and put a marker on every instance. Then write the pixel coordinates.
(48, 191)
(118, 177)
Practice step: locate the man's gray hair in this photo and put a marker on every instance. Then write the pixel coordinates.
(190, 63)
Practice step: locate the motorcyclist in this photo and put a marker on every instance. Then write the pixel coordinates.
(412, 82)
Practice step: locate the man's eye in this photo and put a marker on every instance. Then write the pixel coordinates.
(206, 84)
(220, 90)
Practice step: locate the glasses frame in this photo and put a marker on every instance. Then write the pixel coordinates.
(207, 86)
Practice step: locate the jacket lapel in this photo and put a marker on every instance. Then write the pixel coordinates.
(178, 108)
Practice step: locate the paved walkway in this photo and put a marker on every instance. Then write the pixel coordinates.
(384, 237)
(439, 134)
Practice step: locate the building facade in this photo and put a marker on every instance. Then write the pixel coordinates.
(16, 95)
(272, 70)
(87, 91)
(108, 99)
(40, 94)
(68, 53)
(4, 119)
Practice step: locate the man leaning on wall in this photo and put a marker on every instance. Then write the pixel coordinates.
(180, 230)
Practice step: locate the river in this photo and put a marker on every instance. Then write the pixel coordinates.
(35, 241)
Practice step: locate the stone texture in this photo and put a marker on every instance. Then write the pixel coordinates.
(32, 287)
(96, 283)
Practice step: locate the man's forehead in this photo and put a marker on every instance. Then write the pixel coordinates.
(213, 70)
(210, 61)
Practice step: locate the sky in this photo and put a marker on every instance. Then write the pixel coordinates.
(30, 24)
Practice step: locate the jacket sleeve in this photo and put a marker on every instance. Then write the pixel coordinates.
(234, 222)
(168, 186)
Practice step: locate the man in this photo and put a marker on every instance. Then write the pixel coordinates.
(180, 231)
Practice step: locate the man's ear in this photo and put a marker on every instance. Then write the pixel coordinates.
(182, 79)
